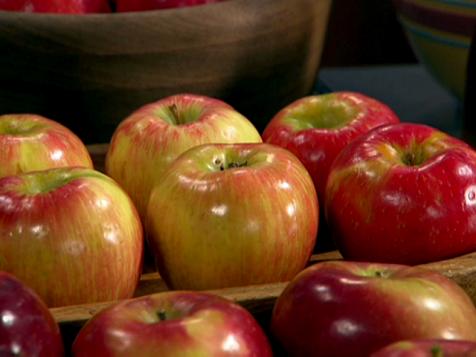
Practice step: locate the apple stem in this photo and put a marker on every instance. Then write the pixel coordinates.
(175, 112)
(162, 315)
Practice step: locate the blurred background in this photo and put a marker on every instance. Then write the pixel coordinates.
(367, 50)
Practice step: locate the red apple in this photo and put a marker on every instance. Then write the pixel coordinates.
(144, 5)
(56, 6)
(428, 348)
(71, 234)
(175, 323)
(403, 193)
(151, 138)
(344, 308)
(232, 215)
(27, 327)
(318, 127)
(30, 142)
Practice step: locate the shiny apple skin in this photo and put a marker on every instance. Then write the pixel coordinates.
(79, 242)
(48, 145)
(428, 348)
(381, 209)
(317, 147)
(27, 327)
(241, 226)
(56, 6)
(345, 308)
(144, 5)
(144, 144)
(202, 325)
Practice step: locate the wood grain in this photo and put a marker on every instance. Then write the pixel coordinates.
(89, 72)
(260, 298)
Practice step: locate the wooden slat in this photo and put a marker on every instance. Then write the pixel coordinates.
(259, 298)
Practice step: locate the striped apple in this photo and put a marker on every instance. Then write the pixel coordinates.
(232, 215)
(178, 323)
(31, 142)
(146, 142)
(71, 234)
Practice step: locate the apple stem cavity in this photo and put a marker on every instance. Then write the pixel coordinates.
(162, 315)
(179, 115)
(222, 166)
(176, 114)
(10, 126)
(436, 351)
(413, 158)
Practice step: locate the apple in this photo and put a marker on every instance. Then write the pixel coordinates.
(403, 193)
(178, 323)
(144, 5)
(428, 348)
(146, 142)
(27, 327)
(344, 308)
(71, 234)
(316, 128)
(56, 6)
(232, 215)
(31, 142)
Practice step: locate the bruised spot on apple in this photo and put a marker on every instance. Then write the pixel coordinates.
(345, 308)
(403, 193)
(72, 234)
(31, 142)
(150, 139)
(232, 215)
(179, 323)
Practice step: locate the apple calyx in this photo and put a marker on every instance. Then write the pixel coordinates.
(223, 165)
(437, 351)
(176, 115)
(10, 125)
(376, 273)
(165, 314)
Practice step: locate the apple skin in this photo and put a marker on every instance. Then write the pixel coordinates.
(345, 308)
(71, 234)
(316, 128)
(27, 327)
(146, 142)
(178, 323)
(31, 142)
(56, 6)
(428, 348)
(144, 5)
(232, 215)
(403, 193)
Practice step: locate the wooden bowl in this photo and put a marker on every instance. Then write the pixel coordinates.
(90, 71)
